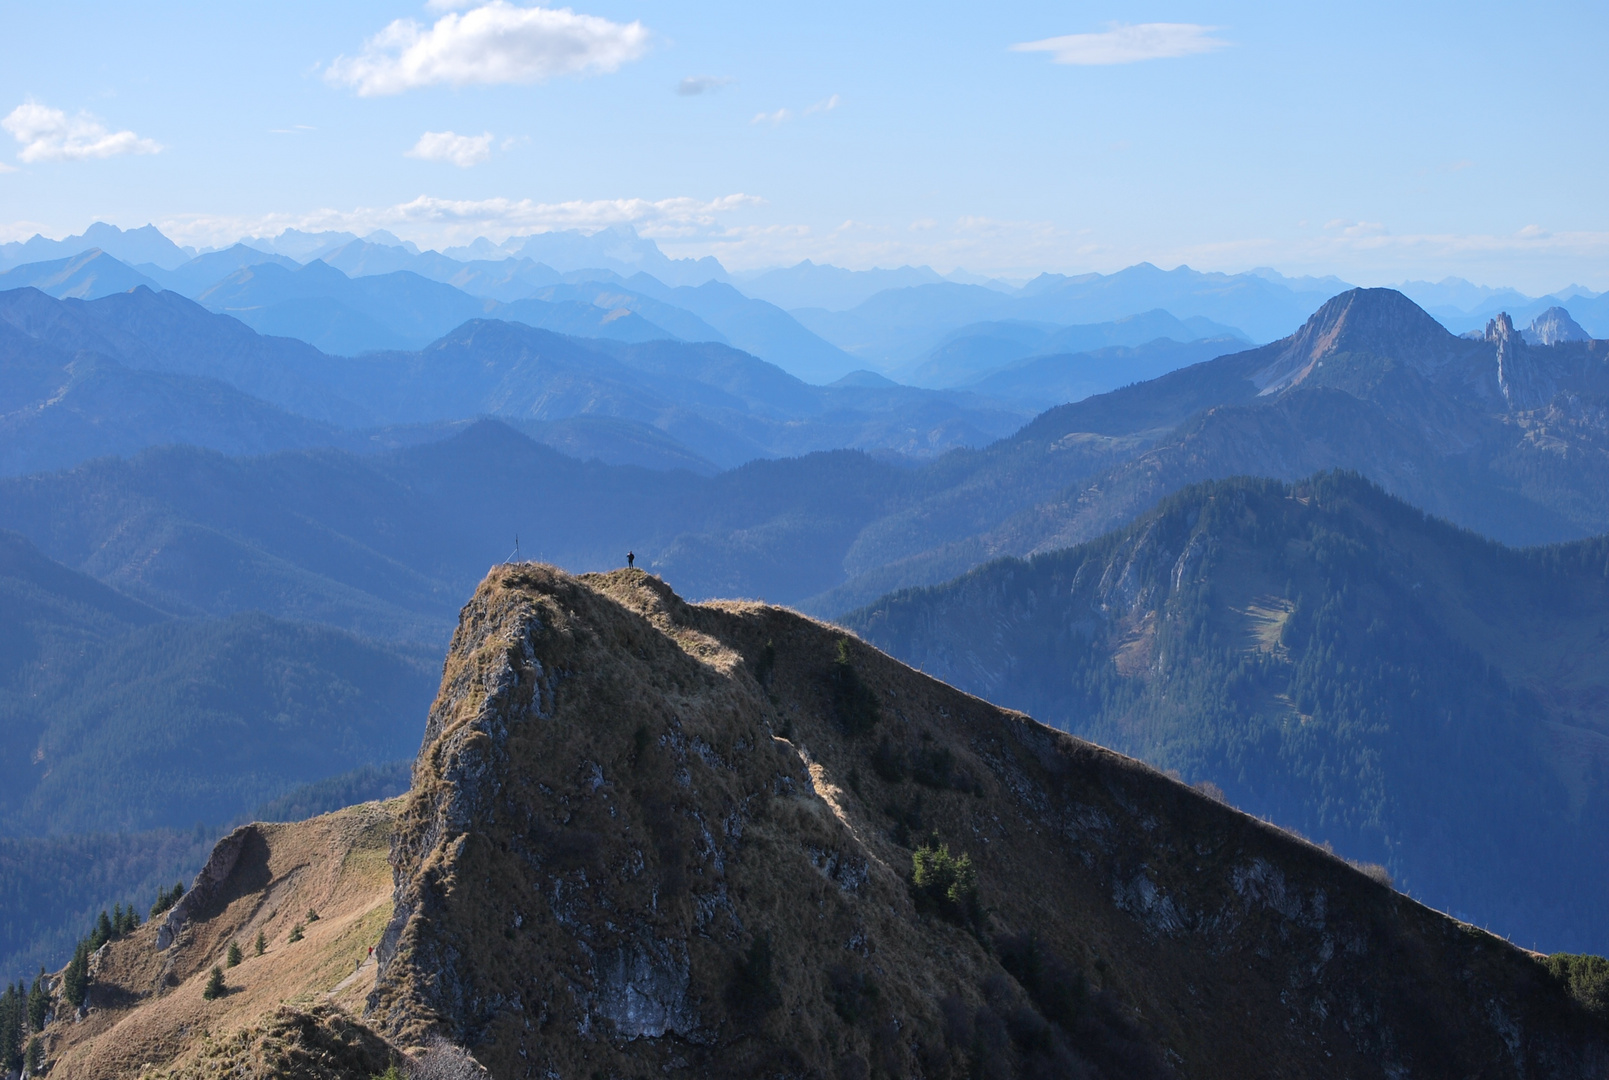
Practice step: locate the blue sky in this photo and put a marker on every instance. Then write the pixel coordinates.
(1378, 142)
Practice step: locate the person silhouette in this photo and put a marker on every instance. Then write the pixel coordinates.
(631, 559)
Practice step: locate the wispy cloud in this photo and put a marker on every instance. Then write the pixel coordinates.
(826, 104)
(694, 85)
(294, 129)
(460, 150)
(4, 168)
(48, 134)
(1128, 44)
(496, 43)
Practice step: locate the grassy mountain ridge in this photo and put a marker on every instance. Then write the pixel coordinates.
(648, 836)
(1334, 660)
(703, 778)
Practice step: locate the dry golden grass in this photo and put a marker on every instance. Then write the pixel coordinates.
(620, 795)
(605, 775)
(147, 1016)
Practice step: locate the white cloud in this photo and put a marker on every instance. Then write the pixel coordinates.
(1126, 44)
(4, 168)
(827, 104)
(48, 134)
(492, 44)
(699, 84)
(461, 150)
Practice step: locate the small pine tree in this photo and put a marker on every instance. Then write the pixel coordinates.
(215, 987)
(234, 955)
(36, 1057)
(117, 922)
(103, 931)
(75, 980)
(262, 943)
(38, 1003)
(312, 916)
(167, 898)
(946, 884)
(11, 1012)
(296, 933)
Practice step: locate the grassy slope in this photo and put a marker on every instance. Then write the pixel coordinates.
(611, 796)
(286, 1011)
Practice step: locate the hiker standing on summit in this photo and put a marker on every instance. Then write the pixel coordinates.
(631, 559)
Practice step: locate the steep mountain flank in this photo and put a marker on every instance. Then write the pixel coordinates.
(1333, 660)
(286, 1011)
(1493, 433)
(647, 836)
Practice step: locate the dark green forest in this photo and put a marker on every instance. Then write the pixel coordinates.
(131, 739)
(1336, 662)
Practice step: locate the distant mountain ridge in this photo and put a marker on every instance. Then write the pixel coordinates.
(1369, 383)
(143, 245)
(718, 406)
(974, 351)
(1333, 660)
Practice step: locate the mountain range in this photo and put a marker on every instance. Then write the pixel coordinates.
(646, 837)
(207, 380)
(1493, 434)
(343, 505)
(1329, 658)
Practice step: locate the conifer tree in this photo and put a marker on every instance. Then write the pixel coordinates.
(75, 980)
(36, 1057)
(103, 931)
(296, 933)
(233, 957)
(11, 1013)
(38, 1003)
(215, 987)
(262, 943)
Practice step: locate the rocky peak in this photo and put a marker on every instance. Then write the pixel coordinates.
(1375, 322)
(1554, 327)
(1523, 382)
(647, 836)
(1500, 329)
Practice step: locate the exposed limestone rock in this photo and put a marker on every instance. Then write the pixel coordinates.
(1525, 385)
(205, 888)
(1553, 327)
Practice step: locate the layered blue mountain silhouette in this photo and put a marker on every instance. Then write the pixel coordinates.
(206, 471)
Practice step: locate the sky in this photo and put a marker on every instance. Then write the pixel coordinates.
(1379, 142)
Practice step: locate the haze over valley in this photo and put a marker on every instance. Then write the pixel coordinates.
(539, 542)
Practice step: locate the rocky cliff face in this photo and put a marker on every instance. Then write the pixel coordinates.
(1555, 327)
(653, 838)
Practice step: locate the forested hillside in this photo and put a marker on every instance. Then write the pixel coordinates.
(1332, 659)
